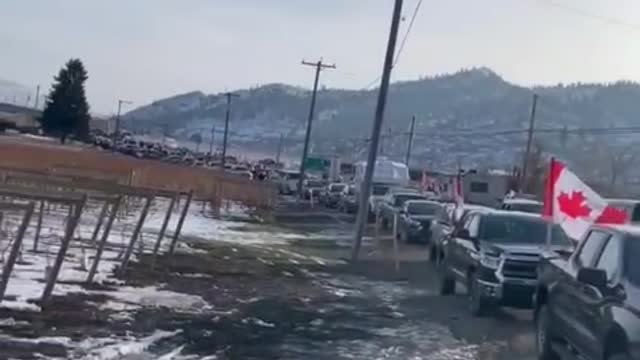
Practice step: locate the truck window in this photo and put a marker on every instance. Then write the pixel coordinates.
(609, 260)
(631, 263)
(379, 190)
(591, 248)
(401, 199)
(474, 226)
(635, 216)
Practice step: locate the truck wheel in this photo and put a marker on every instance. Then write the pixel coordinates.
(477, 303)
(543, 336)
(404, 237)
(433, 255)
(447, 281)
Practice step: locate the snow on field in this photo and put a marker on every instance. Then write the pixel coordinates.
(27, 280)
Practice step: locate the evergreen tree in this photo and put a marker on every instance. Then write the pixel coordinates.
(67, 111)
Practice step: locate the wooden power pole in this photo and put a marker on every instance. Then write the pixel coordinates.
(410, 144)
(319, 67)
(365, 187)
(527, 152)
(226, 127)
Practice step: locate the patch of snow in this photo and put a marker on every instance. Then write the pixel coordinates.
(258, 322)
(128, 298)
(97, 350)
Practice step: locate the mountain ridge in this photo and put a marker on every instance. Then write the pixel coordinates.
(475, 98)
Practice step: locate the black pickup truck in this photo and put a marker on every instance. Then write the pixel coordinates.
(587, 306)
(496, 255)
(419, 220)
(392, 204)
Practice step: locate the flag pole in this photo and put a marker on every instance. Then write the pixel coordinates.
(547, 211)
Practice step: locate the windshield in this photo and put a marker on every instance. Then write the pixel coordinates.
(337, 188)
(379, 190)
(401, 199)
(420, 208)
(526, 207)
(520, 230)
(314, 183)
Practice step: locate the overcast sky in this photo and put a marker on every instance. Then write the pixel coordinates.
(144, 50)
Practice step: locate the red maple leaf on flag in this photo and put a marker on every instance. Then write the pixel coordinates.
(612, 215)
(574, 205)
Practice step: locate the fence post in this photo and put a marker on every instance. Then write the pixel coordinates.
(136, 232)
(36, 239)
(377, 228)
(15, 248)
(176, 233)
(395, 241)
(163, 229)
(55, 270)
(103, 240)
(103, 213)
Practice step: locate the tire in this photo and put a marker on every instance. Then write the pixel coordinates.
(404, 237)
(544, 350)
(447, 281)
(477, 304)
(433, 254)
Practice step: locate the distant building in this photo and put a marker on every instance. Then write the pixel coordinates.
(19, 117)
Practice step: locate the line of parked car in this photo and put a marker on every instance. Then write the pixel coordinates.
(585, 295)
(141, 149)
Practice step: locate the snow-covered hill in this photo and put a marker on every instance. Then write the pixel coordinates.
(476, 99)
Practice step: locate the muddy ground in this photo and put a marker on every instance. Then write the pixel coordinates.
(294, 301)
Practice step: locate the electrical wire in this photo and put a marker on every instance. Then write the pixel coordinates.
(402, 44)
(605, 19)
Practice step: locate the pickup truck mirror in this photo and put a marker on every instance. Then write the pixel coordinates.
(592, 276)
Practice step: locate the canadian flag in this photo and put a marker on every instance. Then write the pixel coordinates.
(574, 205)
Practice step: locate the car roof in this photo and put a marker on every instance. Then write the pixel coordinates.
(394, 190)
(515, 213)
(521, 201)
(623, 201)
(423, 202)
(626, 229)
(408, 194)
(477, 207)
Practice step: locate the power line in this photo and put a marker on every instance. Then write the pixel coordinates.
(588, 14)
(402, 44)
(406, 34)
(585, 131)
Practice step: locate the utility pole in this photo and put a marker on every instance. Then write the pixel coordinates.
(527, 152)
(35, 105)
(365, 188)
(280, 142)
(413, 124)
(319, 66)
(120, 102)
(213, 134)
(226, 127)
